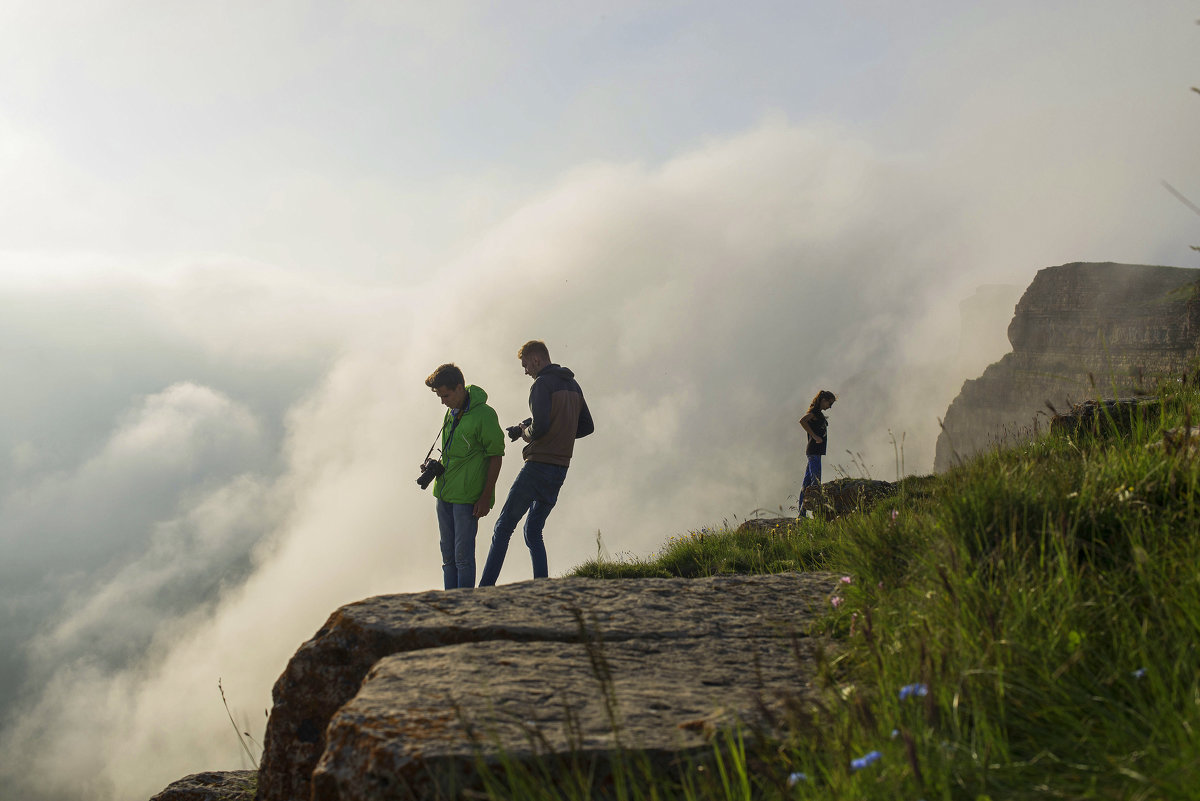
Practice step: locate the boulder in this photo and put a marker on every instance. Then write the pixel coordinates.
(234, 785)
(1182, 439)
(775, 525)
(1104, 416)
(399, 696)
(840, 497)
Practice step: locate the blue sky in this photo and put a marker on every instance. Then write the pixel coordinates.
(235, 238)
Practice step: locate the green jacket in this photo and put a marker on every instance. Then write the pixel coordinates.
(476, 439)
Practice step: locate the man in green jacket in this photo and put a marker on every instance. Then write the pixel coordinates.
(472, 449)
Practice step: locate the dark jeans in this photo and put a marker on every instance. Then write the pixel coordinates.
(812, 475)
(535, 491)
(458, 526)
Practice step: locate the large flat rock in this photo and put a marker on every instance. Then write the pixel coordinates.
(411, 733)
(398, 694)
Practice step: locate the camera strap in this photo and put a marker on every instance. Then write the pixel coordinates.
(457, 419)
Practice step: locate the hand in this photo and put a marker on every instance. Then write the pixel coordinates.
(518, 431)
(817, 439)
(482, 507)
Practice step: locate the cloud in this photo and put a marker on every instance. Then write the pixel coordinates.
(127, 512)
(171, 440)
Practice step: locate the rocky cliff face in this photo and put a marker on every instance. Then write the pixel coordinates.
(407, 696)
(1079, 331)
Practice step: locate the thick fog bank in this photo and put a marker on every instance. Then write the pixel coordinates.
(249, 458)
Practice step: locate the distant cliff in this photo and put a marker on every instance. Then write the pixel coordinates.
(1117, 325)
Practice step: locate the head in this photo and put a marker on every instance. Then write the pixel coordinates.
(448, 384)
(534, 356)
(822, 401)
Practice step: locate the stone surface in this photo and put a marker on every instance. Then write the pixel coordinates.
(421, 719)
(778, 525)
(1080, 331)
(441, 665)
(1178, 440)
(235, 785)
(829, 501)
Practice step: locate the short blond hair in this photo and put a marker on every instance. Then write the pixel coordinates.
(534, 347)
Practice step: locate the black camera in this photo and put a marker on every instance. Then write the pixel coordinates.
(430, 469)
(515, 432)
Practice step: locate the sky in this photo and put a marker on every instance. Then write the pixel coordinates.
(235, 238)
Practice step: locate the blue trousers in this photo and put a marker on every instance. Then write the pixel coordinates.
(458, 526)
(812, 475)
(535, 491)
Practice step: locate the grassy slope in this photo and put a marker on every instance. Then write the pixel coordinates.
(1047, 597)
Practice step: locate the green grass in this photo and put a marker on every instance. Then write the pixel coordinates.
(1046, 596)
(710, 552)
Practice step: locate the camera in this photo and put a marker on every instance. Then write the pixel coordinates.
(430, 469)
(515, 432)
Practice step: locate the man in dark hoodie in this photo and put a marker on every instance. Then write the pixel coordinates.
(560, 416)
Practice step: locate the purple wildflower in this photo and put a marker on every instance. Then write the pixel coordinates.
(913, 689)
(864, 760)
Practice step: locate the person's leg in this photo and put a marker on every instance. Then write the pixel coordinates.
(812, 475)
(445, 514)
(520, 496)
(466, 525)
(550, 481)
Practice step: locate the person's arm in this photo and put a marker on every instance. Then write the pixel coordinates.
(484, 504)
(586, 426)
(804, 424)
(539, 407)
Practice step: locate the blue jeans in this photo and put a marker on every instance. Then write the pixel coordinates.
(812, 475)
(535, 491)
(458, 525)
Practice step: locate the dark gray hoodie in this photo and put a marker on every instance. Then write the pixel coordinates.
(560, 416)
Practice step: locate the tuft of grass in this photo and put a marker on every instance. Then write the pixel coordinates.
(709, 552)
(244, 737)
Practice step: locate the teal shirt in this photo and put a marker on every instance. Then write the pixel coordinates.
(477, 438)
